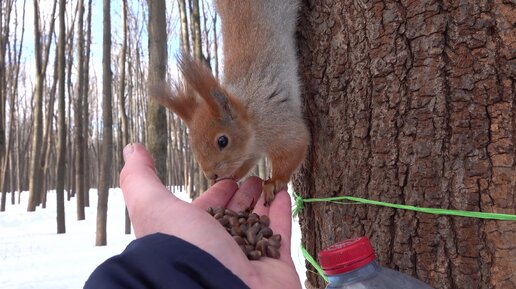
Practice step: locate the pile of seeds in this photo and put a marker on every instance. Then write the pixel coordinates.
(250, 231)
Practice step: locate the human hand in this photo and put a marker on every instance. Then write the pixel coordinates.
(154, 209)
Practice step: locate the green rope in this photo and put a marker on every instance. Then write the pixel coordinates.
(299, 204)
(311, 260)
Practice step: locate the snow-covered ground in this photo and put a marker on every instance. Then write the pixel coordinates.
(32, 255)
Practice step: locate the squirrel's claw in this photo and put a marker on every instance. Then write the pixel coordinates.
(270, 188)
(269, 191)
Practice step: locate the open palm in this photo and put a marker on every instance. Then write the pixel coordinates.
(153, 209)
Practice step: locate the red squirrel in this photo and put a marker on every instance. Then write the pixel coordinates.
(257, 110)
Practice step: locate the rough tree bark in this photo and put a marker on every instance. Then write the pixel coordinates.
(413, 102)
(156, 118)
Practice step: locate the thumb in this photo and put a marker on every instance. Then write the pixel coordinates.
(137, 153)
(138, 180)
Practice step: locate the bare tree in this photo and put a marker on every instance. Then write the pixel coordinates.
(61, 145)
(8, 85)
(41, 53)
(412, 104)
(107, 130)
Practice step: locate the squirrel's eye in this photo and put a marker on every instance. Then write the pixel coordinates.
(222, 141)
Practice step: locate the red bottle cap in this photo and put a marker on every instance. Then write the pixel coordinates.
(346, 256)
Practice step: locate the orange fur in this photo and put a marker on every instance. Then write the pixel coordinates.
(258, 110)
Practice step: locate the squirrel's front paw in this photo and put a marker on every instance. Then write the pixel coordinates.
(270, 188)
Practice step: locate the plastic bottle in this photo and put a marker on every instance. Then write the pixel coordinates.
(351, 264)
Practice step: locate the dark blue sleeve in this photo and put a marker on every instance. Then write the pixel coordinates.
(163, 261)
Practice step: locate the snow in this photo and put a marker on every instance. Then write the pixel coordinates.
(32, 255)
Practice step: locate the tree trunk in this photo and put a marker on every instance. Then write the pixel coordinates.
(215, 47)
(70, 176)
(61, 128)
(4, 43)
(195, 22)
(183, 20)
(414, 104)
(85, 114)
(156, 119)
(41, 55)
(5, 17)
(107, 131)
(48, 133)
(122, 98)
(206, 33)
(79, 141)
(123, 59)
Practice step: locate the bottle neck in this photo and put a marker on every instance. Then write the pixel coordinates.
(364, 272)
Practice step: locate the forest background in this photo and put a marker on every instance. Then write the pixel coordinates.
(407, 102)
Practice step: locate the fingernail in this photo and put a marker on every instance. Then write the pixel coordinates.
(128, 151)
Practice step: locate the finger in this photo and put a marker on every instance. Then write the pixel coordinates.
(247, 195)
(217, 195)
(281, 222)
(141, 186)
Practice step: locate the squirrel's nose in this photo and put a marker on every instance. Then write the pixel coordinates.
(211, 176)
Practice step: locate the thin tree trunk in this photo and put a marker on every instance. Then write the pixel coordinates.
(4, 39)
(13, 180)
(199, 182)
(85, 114)
(183, 20)
(107, 130)
(122, 98)
(4, 44)
(61, 147)
(48, 137)
(79, 136)
(70, 176)
(195, 22)
(207, 58)
(18, 153)
(215, 46)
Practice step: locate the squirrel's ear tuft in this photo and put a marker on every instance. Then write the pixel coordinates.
(180, 99)
(200, 79)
